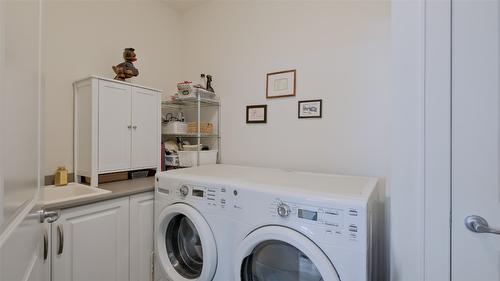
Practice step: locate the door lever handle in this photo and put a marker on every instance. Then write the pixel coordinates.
(478, 224)
(49, 216)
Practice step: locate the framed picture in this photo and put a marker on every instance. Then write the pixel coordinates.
(281, 84)
(310, 108)
(256, 114)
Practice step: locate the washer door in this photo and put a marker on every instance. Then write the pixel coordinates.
(185, 244)
(275, 253)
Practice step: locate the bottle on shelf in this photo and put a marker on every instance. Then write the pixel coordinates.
(203, 81)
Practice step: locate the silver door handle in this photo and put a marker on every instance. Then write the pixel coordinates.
(478, 224)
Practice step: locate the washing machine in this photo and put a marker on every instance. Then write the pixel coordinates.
(191, 226)
(274, 225)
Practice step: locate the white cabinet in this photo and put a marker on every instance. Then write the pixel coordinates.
(141, 236)
(145, 150)
(91, 243)
(117, 127)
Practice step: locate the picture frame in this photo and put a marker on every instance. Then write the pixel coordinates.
(281, 84)
(310, 109)
(256, 114)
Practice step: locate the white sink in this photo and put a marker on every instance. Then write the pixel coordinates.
(73, 191)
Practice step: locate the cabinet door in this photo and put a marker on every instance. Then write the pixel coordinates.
(114, 126)
(141, 236)
(145, 132)
(91, 243)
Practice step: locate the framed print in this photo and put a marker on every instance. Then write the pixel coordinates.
(256, 114)
(310, 108)
(281, 84)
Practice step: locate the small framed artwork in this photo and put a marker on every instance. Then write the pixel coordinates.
(281, 84)
(310, 108)
(256, 114)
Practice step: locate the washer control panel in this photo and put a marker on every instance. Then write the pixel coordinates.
(338, 222)
(211, 196)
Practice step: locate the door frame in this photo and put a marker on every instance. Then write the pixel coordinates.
(421, 141)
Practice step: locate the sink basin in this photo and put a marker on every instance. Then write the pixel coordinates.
(73, 191)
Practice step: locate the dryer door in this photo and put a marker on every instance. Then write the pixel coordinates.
(275, 253)
(185, 245)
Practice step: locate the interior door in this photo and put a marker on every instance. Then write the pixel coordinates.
(475, 140)
(21, 233)
(115, 126)
(145, 128)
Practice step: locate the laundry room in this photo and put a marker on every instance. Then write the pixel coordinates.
(218, 140)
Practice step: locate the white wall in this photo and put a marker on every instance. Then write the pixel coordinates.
(341, 53)
(87, 37)
(341, 50)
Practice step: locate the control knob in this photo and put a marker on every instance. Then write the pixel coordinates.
(184, 190)
(283, 210)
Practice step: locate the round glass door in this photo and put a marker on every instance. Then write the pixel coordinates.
(185, 245)
(276, 253)
(184, 248)
(275, 261)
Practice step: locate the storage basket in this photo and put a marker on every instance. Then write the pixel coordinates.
(174, 127)
(205, 128)
(189, 158)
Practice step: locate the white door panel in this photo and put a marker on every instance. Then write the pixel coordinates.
(475, 138)
(20, 233)
(114, 126)
(21, 256)
(145, 124)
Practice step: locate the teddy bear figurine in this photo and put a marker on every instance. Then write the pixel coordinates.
(126, 69)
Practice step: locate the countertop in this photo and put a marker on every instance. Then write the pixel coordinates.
(118, 189)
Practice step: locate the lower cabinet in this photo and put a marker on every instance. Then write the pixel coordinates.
(105, 241)
(141, 237)
(92, 243)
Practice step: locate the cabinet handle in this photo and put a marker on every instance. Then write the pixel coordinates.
(60, 233)
(45, 244)
(129, 126)
(134, 127)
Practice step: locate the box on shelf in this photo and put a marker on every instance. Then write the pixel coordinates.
(189, 92)
(205, 128)
(174, 127)
(120, 176)
(172, 160)
(189, 158)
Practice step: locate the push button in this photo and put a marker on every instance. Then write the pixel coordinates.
(353, 228)
(353, 212)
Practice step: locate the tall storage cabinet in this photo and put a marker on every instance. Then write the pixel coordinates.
(117, 127)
